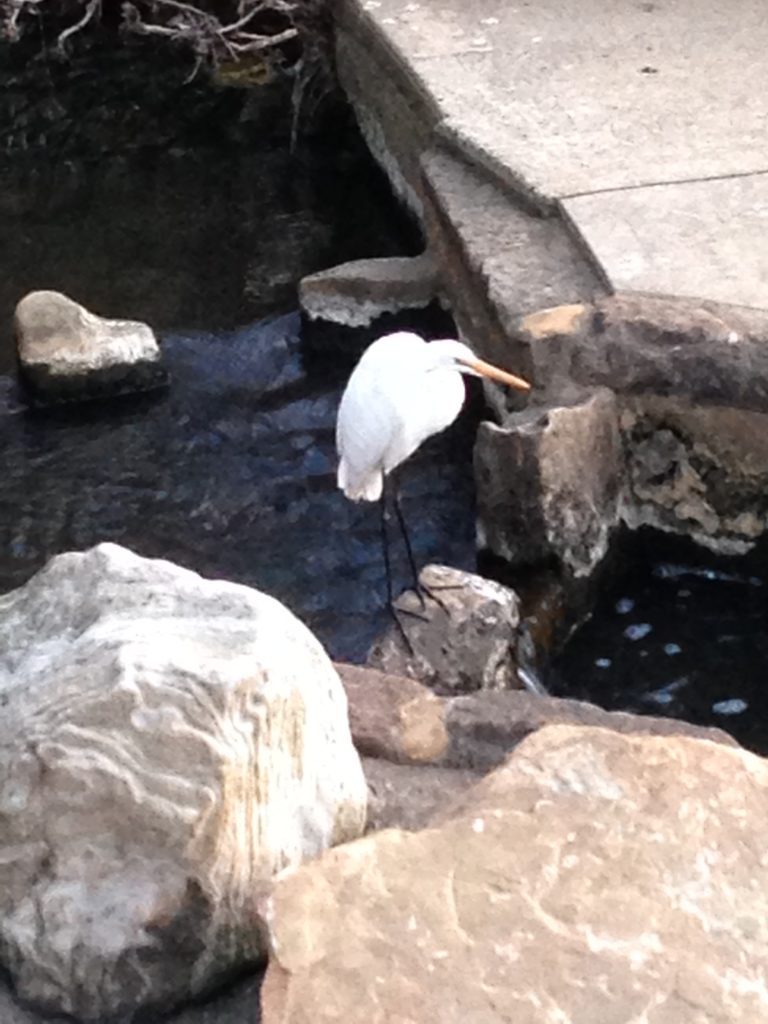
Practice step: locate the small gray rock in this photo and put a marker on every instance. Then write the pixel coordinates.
(68, 354)
(468, 643)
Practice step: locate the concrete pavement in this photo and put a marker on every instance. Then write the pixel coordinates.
(641, 124)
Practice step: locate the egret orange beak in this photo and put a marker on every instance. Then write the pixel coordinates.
(494, 373)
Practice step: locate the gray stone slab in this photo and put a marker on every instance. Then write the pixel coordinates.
(525, 262)
(700, 240)
(564, 97)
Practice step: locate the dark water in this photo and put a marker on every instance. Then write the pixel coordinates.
(202, 232)
(231, 473)
(208, 236)
(677, 632)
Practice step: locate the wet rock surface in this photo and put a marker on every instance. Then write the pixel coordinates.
(167, 744)
(634, 861)
(462, 638)
(67, 353)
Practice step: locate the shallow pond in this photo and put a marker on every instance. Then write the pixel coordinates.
(676, 631)
(231, 472)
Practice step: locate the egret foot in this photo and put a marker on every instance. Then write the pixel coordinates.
(423, 589)
(401, 628)
(415, 613)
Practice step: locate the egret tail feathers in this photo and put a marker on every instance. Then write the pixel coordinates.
(366, 488)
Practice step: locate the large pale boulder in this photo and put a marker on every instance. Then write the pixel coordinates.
(593, 877)
(167, 743)
(67, 353)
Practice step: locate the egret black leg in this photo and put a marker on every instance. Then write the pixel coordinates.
(388, 570)
(404, 530)
(420, 588)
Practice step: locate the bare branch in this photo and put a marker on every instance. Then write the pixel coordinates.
(264, 42)
(90, 10)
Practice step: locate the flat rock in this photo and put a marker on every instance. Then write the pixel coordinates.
(167, 744)
(592, 877)
(463, 640)
(356, 293)
(399, 720)
(67, 353)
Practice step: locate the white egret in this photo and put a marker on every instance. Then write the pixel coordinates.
(402, 391)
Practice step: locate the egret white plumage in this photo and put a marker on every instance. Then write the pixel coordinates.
(402, 391)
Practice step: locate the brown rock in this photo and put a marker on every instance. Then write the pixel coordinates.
(393, 717)
(594, 877)
(700, 352)
(402, 721)
(483, 728)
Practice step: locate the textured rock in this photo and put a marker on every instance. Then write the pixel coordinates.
(236, 1004)
(167, 743)
(67, 353)
(644, 345)
(593, 877)
(467, 645)
(399, 720)
(354, 294)
(549, 484)
(698, 471)
(691, 390)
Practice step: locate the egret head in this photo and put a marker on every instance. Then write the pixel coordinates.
(455, 355)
